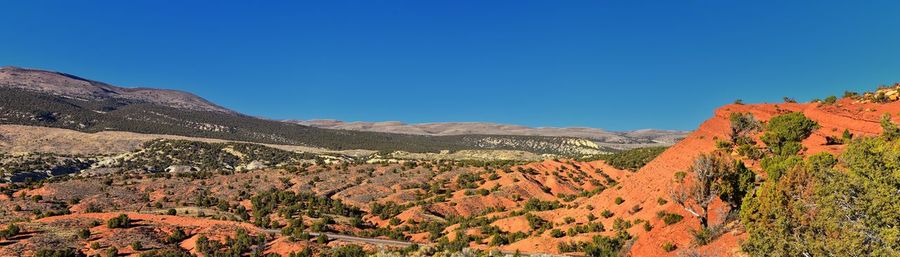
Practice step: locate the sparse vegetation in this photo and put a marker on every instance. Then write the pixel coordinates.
(387, 210)
(632, 159)
(535, 204)
(830, 100)
(64, 252)
(242, 243)
(599, 246)
(291, 204)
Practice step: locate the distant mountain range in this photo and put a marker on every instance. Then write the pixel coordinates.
(53, 99)
(643, 136)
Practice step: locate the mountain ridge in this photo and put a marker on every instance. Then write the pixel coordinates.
(64, 84)
(55, 99)
(489, 128)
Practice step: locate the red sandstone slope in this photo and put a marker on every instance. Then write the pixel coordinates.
(653, 180)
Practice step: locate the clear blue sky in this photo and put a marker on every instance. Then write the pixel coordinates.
(610, 64)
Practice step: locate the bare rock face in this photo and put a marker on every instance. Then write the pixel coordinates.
(71, 86)
(181, 169)
(255, 165)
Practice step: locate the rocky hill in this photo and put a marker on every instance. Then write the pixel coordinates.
(858, 115)
(71, 86)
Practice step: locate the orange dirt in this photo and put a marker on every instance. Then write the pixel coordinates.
(652, 181)
(193, 226)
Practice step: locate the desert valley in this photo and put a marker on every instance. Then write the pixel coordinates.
(92, 169)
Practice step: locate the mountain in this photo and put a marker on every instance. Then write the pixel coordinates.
(70, 86)
(53, 99)
(644, 136)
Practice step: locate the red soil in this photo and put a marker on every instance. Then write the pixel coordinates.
(193, 226)
(652, 181)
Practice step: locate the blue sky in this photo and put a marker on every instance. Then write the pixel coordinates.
(610, 64)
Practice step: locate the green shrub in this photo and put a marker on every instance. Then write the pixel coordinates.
(556, 233)
(535, 204)
(775, 166)
(669, 218)
(889, 129)
(536, 223)
(84, 233)
(112, 251)
(704, 236)
(724, 145)
(785, 132)
(620, 224)
(122, 221)
(606, 214)
(619, 200)
(177, 236)
(661, 201)
(10, 231)
(137, 245)
(669, 247)
(847, 136)
(679, 176)
(733, 183)
(387, 210)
